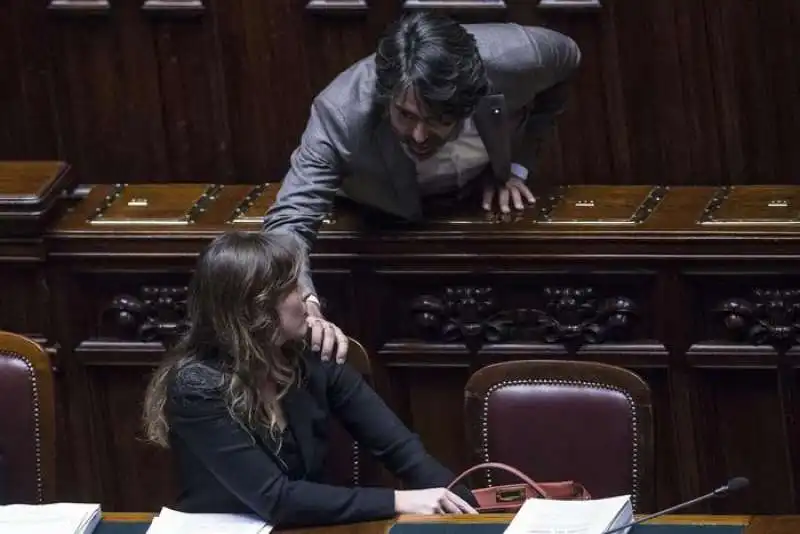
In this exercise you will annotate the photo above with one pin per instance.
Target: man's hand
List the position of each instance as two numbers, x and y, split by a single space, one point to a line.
325 335
514 189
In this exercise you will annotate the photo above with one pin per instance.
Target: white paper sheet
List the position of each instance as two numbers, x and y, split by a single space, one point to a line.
55 518
172 522
542 516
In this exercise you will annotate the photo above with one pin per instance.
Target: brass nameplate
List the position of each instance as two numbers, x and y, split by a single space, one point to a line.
752 206
600 204
149 205
254 206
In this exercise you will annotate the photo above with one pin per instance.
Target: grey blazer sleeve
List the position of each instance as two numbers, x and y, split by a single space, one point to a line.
557 56
314 177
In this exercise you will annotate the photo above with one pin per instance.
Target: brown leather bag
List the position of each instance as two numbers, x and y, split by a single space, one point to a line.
511 497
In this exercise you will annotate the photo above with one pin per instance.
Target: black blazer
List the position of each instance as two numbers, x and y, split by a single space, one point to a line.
223 468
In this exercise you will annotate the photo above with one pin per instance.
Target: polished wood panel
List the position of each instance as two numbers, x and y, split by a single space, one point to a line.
669 92
630 276
29 193
592 213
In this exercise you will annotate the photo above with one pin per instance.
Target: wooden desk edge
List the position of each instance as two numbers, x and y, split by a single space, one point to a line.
134 517
506 518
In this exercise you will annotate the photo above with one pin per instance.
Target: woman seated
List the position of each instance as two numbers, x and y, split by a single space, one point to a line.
244 405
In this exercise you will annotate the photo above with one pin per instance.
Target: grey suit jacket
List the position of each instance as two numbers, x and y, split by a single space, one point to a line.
348 146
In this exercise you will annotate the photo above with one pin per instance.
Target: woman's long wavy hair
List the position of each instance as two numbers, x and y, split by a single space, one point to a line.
231 308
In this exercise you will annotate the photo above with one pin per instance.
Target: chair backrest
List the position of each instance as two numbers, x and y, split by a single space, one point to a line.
346 463
27 422
564 420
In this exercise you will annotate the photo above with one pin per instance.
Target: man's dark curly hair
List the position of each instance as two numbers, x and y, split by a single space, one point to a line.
437 58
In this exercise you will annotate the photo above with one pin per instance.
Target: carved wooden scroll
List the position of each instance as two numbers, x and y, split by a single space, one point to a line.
157 313
571 316
768 317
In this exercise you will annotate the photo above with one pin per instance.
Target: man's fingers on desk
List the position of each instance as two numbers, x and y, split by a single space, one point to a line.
488 196
502 199
512 194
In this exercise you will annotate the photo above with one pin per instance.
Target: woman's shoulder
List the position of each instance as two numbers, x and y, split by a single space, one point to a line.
196 378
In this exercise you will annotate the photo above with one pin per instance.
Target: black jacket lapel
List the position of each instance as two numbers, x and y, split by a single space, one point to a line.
302 413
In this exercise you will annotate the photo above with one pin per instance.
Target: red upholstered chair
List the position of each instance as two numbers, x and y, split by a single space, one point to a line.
27 422
347 464
564 420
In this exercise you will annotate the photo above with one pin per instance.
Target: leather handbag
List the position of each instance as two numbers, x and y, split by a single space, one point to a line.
511 497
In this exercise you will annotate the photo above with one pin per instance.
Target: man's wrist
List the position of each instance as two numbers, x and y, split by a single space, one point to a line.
519 171
313 305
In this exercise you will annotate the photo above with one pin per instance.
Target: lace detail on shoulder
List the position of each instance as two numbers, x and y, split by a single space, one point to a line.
196 380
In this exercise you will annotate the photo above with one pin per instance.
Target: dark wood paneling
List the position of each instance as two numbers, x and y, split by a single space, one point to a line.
117 441
24 299
30 127
705 312
745 407
434 305
438 419
743 381
108 93
670 91
751 75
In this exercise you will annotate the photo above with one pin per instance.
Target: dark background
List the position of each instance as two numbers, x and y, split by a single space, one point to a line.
670 91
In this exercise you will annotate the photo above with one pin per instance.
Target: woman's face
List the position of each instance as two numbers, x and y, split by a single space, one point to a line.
292 313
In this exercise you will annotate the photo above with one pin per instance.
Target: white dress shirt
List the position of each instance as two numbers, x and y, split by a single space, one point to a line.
456 163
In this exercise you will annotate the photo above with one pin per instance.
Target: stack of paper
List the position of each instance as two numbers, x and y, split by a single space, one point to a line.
544 516
58 518
172 522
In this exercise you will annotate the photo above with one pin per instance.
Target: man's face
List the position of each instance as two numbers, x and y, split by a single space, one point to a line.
421 134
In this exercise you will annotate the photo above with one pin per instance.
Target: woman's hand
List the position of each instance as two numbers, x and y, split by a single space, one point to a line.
430 501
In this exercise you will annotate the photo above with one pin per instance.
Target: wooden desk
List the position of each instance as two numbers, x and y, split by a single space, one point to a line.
686 258
777 524
713 274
